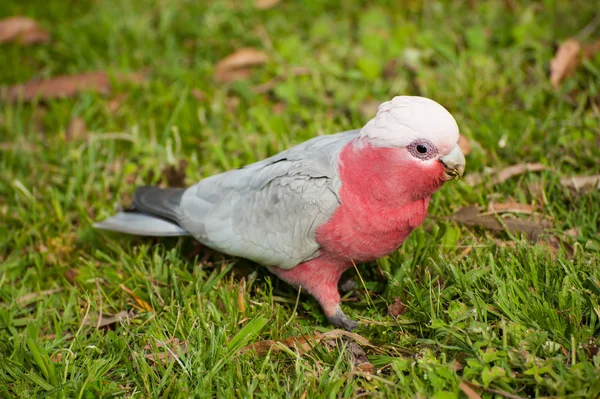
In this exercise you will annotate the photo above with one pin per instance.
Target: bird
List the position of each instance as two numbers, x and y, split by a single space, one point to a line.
317 209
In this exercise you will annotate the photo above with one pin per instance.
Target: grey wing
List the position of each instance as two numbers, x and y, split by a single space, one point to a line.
269 211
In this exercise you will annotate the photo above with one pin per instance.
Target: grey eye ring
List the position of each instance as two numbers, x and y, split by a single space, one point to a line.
422 149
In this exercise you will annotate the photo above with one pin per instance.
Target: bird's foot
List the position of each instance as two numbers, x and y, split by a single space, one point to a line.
340 320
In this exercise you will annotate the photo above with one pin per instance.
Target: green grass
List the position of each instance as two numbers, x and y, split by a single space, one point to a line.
508 317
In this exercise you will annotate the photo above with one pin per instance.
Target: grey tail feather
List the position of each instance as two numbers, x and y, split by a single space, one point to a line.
141 224
161 202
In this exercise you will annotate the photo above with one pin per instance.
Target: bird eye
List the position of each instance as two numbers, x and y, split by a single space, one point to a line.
422 149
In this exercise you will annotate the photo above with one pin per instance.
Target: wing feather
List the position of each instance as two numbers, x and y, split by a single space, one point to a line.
269 211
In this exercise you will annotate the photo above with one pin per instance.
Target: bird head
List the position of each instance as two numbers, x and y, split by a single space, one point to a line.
423 134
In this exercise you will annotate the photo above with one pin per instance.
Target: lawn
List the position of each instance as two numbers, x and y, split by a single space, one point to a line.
467 307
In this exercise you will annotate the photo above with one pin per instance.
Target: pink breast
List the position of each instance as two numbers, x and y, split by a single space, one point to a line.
363 234
384 196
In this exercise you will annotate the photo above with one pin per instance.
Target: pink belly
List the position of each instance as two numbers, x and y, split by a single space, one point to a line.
361 234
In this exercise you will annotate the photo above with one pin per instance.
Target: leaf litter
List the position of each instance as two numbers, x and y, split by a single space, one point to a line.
568 58
305 343
497 176
239 65
22 30
66 86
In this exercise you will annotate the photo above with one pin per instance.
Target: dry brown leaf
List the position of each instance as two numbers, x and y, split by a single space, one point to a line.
279 108
174 344
76 130
513 207
22 30
565 61
590 50
568 57
472 216
498 176
456 366
239 65
65 86
35 296
115 103
464 145
358 358
302 343
57 357
581 184
390 71
241 298
265 4
175 174
143 304
71 274
198 94
106 320
467 390
17 146
398 308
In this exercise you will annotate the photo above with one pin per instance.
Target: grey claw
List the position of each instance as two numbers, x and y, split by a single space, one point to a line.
340 320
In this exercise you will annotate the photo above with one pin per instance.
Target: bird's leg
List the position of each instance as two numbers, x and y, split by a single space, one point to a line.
320 278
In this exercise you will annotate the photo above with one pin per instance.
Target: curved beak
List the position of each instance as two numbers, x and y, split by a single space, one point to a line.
454 164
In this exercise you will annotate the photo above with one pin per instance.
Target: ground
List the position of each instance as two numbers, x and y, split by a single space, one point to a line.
475 311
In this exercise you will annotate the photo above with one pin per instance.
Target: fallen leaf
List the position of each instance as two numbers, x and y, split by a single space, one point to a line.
279 108
22 30
498 176
240 298
265 4
358 358
581 184
398 308
198 94
513 207
36 296
71 274
17 146
390 71
57 357
590 50
174 347
464 145
175 174
565 61
143 304
65 86
456 366
303 343
472 216
106 320
76 130
239 65
467 390
115 103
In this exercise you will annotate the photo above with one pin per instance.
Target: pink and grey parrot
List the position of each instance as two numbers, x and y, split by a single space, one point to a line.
311 212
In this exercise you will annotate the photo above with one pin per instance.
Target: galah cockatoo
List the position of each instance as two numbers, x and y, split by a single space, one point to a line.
313 211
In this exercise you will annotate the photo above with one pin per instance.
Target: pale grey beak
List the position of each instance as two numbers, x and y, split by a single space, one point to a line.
454 164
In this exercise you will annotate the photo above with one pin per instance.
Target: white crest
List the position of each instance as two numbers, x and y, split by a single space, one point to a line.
405 118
